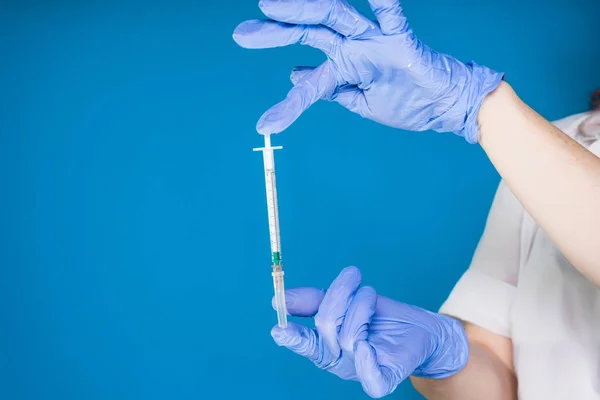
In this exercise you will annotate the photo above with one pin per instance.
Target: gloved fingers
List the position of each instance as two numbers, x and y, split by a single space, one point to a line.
302 301
349 96
299 339
316 85
353 98
377 381
335 14
333 308
299 73
389 15
257 34
357 319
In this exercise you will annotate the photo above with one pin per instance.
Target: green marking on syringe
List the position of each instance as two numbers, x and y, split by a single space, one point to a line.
276 257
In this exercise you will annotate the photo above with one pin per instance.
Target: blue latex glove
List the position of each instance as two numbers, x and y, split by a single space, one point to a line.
369 338
378 70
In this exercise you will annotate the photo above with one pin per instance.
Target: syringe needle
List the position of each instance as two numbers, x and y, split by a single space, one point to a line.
279 296
273 213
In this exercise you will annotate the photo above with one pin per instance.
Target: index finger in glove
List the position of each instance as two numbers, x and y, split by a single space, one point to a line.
335 14
318 84
257 34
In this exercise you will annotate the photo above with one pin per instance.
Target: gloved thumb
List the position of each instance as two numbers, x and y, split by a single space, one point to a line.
302 301
299 73
299 339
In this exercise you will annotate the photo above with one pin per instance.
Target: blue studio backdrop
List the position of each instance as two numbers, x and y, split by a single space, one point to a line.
134 258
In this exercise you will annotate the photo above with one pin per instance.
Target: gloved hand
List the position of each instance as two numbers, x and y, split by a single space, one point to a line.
369 338
378 70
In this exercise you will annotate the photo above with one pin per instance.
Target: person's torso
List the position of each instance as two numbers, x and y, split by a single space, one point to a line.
555 322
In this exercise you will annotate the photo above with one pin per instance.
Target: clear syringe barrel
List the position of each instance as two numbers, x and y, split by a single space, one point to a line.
272 206
273 214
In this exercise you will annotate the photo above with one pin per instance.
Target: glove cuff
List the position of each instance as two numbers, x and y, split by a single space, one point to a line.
483 81
451 353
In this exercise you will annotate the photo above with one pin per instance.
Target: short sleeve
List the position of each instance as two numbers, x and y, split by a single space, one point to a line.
484 294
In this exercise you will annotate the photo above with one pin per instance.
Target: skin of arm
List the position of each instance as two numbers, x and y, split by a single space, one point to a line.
555 178
489 373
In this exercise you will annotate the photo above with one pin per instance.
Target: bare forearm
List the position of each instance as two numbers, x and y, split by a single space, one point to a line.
556 179
484 377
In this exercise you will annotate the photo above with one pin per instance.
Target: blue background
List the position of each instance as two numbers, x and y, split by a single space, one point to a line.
133 242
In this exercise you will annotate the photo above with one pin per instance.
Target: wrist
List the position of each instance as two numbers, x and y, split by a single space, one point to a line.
494 110
483 81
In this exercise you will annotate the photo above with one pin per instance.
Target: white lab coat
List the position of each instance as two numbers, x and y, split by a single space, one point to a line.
520 286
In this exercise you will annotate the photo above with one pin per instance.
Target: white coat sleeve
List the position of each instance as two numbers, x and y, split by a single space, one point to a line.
484 294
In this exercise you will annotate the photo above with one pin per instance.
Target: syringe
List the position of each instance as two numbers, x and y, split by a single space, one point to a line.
277 273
